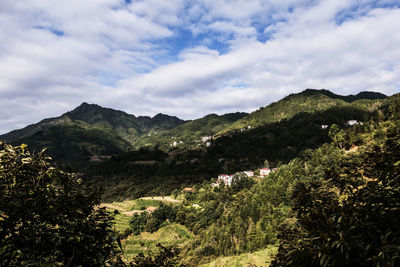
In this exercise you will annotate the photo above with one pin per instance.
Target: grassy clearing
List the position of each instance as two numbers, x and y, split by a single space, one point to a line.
258 258
139 204
126 205
142 204
171 234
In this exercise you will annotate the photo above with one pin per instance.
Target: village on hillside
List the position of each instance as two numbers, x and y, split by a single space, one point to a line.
227 179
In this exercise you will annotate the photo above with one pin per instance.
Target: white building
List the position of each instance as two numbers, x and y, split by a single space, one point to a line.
249 173
226 179
174 144
208 144
324 126
264 171
352 122
205 138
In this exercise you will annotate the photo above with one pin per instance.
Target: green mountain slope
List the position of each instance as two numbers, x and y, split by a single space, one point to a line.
76 144
88 132
123 124
154 172
308 101
189 134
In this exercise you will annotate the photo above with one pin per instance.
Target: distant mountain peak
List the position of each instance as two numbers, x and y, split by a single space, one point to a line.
161 115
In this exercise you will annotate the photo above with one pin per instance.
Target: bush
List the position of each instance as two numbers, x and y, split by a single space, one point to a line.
47 216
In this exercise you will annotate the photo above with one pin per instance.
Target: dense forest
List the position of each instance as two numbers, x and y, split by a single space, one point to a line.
333 200
151 171
337 205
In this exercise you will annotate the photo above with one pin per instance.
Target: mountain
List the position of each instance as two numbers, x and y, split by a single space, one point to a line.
87 132
76 144
129 127
189 134
95 132
310 100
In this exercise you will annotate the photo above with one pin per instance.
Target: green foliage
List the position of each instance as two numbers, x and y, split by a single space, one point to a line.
47 216
165 256
308 101
240 182
350 215
169 235
89 130
152 222
138 223
189 133
73 145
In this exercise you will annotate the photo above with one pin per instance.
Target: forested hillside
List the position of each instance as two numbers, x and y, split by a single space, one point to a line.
337 205
88 133
333 199
152 171
309 101
189 135
91 133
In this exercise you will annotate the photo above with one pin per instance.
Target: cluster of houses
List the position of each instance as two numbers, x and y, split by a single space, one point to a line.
349 122
227 179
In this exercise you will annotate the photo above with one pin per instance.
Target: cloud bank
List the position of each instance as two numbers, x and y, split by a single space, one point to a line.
189 58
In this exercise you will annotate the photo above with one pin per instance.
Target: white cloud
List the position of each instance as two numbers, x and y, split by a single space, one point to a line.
242 55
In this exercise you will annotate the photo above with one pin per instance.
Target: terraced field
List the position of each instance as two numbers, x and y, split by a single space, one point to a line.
171 234
258 258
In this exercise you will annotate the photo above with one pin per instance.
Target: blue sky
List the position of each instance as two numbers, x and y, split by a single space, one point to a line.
189 58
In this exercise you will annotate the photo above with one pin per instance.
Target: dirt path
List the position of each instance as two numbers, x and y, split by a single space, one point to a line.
132 212
167 199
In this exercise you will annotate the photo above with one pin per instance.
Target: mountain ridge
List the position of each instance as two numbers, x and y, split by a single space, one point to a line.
95 124
309 100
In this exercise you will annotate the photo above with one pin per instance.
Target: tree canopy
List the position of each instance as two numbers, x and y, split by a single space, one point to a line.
48 217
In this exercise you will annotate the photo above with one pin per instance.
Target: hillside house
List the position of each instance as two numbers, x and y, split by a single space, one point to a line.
222 176
324 126
226 179
208 144
352 122
265 171
249 173
205 138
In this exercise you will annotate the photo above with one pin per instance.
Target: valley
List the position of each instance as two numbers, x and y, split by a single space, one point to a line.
295 175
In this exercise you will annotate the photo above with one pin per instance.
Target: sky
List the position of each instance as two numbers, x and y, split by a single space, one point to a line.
189 58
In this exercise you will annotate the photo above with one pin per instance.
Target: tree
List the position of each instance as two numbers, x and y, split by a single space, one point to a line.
48 217
352 216
165 256
138 223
